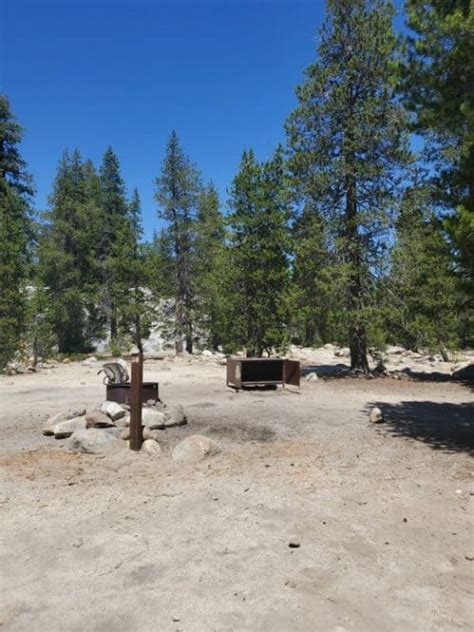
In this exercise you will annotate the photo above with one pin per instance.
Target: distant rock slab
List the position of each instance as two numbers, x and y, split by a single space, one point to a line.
194 449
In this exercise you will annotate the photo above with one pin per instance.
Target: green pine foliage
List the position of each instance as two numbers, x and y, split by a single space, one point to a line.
177 193
68 254
421 289
135 308
16 191
347 145
438 87
317 291
211 263
258 284
114 241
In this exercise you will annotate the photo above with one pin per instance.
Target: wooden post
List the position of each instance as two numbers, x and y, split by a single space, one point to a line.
136 435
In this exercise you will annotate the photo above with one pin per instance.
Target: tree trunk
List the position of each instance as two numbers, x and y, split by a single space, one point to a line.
357 336
358 347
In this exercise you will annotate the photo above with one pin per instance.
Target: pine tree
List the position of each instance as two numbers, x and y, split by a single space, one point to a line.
136 312
115 234
16 191
316 295
421 288
347 145
258 292
68 256
210 265
177 193
439 90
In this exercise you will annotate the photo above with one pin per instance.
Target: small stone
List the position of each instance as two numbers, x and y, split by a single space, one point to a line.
469 558
376 416
312 377
152 447
125 434
67 361
98 419
293 544
65 429
194 448
176 619
113 410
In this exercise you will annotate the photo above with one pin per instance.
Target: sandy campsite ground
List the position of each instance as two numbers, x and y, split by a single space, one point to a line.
131 542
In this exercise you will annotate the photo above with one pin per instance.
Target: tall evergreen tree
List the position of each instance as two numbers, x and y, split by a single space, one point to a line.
16 190
439 90
258 287
66 253
177 193
347 145
115 236
136 312
421 293
210 264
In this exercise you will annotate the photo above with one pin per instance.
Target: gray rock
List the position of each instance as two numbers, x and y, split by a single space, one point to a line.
194 448
174 417
376 416
311 377
91 441
65 429
123 422
113 410
153 419
152 447
63 415
98 419
148 433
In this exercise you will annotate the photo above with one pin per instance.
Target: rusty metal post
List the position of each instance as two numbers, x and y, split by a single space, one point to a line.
136 435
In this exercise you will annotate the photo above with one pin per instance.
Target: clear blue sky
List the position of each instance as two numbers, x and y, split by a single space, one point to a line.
91 73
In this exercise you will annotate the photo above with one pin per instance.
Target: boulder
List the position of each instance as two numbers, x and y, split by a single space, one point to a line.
153 419
91 440
194 448
311 377
207 354
98 419
113 410
65 429
152 447
376 416
63 415
174 417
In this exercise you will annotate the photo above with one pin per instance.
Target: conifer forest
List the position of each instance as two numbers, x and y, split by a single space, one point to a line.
348 233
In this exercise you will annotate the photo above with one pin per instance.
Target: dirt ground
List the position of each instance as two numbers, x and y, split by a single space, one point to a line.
130 542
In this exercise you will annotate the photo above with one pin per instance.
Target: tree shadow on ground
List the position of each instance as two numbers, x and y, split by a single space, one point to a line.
340 370
326 370
443 426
